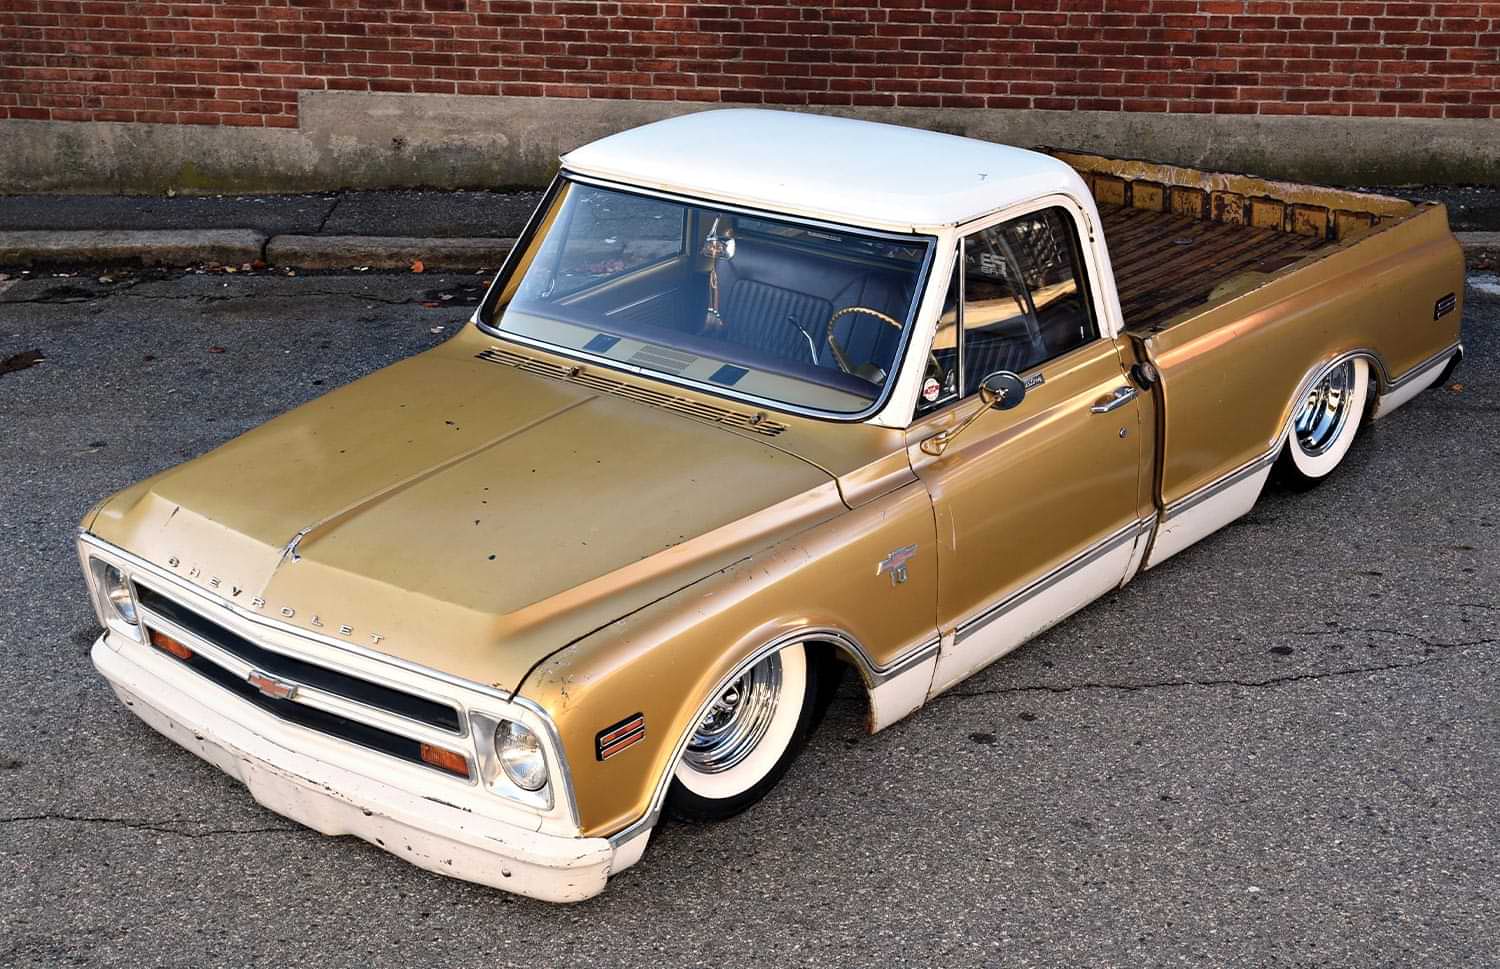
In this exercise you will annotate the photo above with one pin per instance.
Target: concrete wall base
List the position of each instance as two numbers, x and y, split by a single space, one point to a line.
354 140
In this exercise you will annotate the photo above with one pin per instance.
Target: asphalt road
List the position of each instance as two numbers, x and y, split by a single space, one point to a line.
1282 748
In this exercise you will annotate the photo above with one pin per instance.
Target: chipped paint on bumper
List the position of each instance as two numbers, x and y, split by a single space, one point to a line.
335 800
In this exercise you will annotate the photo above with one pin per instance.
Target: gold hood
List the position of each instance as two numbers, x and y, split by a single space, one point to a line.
466 516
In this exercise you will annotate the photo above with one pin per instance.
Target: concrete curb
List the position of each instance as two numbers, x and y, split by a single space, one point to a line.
234 247
157 247
1481 249
385 252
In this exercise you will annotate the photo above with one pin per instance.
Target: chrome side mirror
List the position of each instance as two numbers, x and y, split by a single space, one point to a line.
1001 390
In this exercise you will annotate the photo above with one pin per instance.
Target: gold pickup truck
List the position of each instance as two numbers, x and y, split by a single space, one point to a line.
758 397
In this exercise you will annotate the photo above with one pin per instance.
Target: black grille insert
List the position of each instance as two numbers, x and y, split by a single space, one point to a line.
417 708
310 717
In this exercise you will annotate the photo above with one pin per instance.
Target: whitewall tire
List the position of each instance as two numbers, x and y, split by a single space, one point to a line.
747 738
1325 424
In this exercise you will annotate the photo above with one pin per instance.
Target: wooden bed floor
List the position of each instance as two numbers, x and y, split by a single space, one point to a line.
1166 263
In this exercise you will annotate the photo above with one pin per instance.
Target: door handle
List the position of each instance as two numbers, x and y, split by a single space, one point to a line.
1119 398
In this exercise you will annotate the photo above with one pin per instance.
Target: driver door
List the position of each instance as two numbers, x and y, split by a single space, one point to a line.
1036 505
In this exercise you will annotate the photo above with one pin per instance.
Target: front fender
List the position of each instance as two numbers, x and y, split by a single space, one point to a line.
664 661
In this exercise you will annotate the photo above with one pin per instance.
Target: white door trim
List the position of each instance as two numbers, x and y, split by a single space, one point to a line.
1040 605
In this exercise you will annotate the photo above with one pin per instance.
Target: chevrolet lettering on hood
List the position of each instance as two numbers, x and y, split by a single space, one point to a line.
259 604
758 401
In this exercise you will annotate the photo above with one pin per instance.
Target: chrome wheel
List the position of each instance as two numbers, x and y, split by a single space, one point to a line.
746 736
737 720
1325 411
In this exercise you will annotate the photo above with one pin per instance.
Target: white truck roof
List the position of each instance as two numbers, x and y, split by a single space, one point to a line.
830 168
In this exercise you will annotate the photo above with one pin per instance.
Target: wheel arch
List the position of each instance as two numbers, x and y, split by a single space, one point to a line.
1379 375
664 661
830 645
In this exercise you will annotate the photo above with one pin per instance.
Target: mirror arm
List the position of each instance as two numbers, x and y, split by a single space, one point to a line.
1010 392
938 443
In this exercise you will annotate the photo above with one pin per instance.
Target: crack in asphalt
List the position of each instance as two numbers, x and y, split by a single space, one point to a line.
47 300
337 201
1376 630
1218 682
141 824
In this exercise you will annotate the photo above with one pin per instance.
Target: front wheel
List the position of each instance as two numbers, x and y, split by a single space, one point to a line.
1325 424
748 738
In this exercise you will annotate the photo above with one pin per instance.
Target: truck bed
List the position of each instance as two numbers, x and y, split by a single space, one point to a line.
1181 240
1240 291
1165 263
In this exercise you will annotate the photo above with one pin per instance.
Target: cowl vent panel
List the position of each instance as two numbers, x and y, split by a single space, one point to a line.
756 423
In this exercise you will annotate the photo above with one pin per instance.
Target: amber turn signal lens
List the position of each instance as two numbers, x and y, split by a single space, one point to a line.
167 644
445 760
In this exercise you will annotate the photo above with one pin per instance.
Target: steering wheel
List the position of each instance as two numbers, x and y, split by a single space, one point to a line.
864 371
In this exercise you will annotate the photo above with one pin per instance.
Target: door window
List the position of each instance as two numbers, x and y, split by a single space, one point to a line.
1017 300
1023 299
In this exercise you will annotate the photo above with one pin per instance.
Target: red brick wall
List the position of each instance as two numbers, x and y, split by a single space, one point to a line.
244 63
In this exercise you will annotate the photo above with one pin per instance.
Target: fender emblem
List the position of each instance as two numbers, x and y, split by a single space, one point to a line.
894 564
271 686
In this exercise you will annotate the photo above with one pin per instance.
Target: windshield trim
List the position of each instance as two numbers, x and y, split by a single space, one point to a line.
484 316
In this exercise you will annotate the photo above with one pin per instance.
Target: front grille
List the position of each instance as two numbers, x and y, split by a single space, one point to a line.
420 709
757 423
312 718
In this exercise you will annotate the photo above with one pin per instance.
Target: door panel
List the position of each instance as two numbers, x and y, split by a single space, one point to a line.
1036 506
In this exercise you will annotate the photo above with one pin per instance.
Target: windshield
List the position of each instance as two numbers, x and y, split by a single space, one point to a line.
793 313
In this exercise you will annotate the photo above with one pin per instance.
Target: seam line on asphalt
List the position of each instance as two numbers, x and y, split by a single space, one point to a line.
138 824
1182 684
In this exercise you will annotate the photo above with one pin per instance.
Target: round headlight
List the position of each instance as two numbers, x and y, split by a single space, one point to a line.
116 590
520 754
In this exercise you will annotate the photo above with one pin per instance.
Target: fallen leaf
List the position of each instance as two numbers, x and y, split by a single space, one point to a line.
215 349
22 360
1457 388
432 306
435 329
416 266
258 264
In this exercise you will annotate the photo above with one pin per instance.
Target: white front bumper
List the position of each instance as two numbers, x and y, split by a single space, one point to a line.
335 800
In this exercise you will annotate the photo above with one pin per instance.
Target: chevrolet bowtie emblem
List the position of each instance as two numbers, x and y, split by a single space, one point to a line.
271 686
894 564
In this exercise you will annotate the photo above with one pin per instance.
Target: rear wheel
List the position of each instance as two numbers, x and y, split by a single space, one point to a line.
1325 424
750 735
